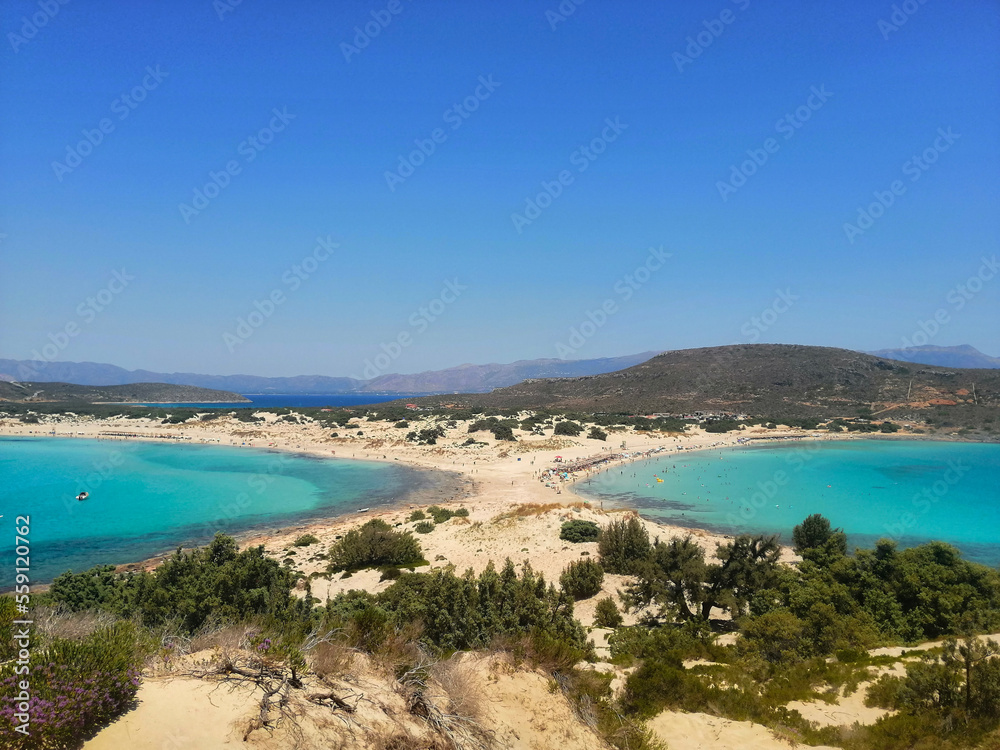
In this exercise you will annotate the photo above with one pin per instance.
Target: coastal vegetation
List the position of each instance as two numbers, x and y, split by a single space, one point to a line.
577 532
373 545
802 631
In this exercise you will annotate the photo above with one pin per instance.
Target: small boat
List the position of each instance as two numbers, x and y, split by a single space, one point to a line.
83 496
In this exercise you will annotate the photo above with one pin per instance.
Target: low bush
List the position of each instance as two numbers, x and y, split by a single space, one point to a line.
582 579
579 531
568 427
424 527
607 615
373 545
305 540
417 515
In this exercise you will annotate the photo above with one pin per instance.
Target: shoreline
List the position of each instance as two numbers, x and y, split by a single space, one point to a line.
490 476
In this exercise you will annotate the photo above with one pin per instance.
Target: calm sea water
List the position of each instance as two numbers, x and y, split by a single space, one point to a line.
905 490
298 400
147 498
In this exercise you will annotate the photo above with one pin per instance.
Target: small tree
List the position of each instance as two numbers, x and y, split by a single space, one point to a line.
607 615
582 579
596 433
815 540
623 544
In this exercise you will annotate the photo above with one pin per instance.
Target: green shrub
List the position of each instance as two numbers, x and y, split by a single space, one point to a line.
568 427
623 544
305 540
607 615
215 581
424 527
582 579
596 433
417 515
462 513
469 612
579 531
373 545
439 514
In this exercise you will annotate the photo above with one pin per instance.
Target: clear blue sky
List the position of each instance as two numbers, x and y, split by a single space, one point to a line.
657 184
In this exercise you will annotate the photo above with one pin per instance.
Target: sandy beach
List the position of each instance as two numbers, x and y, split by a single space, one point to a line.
489 478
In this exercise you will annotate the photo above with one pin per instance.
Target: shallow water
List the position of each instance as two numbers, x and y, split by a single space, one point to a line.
147 498
910 491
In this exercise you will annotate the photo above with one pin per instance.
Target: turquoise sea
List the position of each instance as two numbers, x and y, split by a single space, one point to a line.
147 498
910 491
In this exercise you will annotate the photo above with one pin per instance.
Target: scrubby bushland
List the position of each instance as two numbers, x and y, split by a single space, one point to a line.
579 531
75 686
582 579
623 544
305 540
607 615
373 545
189 587
464 612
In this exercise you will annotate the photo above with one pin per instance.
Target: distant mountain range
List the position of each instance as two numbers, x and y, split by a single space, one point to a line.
151 393
942 356
462 379
773 380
